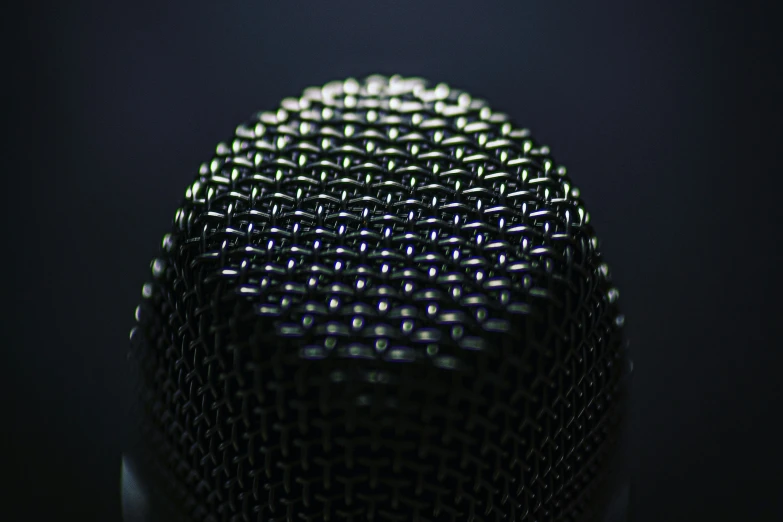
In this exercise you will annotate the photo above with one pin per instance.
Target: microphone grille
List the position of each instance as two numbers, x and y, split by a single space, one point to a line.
382 301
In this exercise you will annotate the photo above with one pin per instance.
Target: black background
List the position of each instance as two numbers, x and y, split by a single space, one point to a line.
664 112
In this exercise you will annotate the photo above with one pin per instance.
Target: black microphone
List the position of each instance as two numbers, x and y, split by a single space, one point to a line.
383 301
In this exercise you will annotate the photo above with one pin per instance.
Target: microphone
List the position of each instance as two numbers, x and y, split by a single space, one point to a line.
383 301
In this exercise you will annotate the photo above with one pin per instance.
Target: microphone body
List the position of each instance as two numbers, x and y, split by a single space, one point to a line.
383 301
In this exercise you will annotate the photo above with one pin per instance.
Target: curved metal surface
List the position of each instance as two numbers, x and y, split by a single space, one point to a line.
382 301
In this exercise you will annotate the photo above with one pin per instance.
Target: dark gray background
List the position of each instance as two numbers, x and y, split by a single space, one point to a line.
664 112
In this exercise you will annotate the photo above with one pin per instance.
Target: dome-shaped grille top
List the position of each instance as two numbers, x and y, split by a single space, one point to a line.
382 301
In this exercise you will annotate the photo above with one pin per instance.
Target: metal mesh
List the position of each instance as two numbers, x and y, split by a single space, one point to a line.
381 302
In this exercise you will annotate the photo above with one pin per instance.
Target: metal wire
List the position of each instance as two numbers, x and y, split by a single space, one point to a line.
382 301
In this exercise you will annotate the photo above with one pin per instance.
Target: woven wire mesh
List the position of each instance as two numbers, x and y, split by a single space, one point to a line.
382 301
